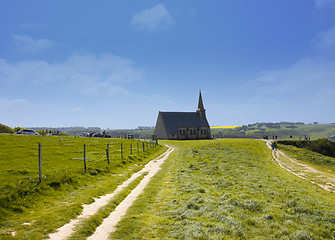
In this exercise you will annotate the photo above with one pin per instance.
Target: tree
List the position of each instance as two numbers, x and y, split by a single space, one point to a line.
5 129
16 129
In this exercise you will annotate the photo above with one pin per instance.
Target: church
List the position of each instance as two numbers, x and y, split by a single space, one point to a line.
183 125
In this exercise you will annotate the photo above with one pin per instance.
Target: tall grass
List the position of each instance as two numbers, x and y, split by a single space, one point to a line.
228 189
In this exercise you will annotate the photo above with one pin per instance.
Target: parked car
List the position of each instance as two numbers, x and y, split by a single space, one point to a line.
85 134
27 132
101 135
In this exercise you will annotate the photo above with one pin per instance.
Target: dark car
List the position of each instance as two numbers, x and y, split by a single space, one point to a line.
101 135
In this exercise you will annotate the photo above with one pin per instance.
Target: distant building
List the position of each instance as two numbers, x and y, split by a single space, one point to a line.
332 138
183 125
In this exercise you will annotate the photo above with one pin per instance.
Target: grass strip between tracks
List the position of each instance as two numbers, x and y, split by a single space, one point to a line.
87 227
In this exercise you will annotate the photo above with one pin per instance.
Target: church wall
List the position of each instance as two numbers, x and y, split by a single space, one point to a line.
193 133
160 131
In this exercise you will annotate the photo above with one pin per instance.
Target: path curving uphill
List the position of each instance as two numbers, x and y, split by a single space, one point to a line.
324 180
107 227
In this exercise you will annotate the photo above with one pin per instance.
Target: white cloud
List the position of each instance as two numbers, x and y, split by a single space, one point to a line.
32 25
25 43
323 3
12 103
88 74
193 12
302 92
305 79
325 40
311 79
152 19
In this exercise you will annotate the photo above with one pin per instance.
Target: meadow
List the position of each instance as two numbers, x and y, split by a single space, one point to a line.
30 209
208 189
228 189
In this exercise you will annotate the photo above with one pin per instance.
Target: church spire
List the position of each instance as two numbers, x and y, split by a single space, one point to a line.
201 110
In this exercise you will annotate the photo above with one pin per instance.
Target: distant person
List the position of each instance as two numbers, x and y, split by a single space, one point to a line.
273 146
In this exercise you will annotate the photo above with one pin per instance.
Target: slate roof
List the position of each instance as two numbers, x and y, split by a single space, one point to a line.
175 120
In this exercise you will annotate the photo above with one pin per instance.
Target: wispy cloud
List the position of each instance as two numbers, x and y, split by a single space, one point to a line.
325 40
25 43
304 79
311 79
12 103
88 74
193 12
323 3
152 19
32 25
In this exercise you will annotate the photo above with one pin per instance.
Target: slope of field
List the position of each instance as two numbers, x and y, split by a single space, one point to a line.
281 130
228 189
31 210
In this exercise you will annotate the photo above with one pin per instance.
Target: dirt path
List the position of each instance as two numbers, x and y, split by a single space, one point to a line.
324 180
103 231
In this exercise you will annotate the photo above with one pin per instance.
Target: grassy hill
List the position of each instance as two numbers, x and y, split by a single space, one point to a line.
228 189
282 130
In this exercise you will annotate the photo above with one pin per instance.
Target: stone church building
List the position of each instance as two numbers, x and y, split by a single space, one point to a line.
183 125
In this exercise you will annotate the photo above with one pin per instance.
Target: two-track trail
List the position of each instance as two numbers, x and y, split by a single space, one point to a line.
107 226
323 179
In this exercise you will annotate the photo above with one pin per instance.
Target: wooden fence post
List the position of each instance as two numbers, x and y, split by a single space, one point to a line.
138 151
143 147
121 151
40 162
131 149
107 153
85 157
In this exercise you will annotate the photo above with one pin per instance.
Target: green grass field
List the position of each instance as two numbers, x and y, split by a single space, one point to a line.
210 189
228 189
30 209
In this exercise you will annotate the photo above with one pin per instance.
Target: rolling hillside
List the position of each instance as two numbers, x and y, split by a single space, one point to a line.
282 130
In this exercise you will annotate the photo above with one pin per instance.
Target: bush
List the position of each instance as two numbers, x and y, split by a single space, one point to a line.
5 129
322 146
16 129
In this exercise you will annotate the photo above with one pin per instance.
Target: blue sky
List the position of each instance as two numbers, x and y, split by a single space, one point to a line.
116 63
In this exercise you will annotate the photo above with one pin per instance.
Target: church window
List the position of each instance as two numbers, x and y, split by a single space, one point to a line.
182 131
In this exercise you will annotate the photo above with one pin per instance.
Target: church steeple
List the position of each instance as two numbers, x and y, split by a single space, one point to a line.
201 110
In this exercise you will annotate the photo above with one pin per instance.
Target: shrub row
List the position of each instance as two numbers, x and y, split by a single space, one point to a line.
322 146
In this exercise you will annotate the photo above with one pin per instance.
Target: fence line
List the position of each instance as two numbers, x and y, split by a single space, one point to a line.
123 149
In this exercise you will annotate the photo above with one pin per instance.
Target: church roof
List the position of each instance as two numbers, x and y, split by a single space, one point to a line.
175 120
